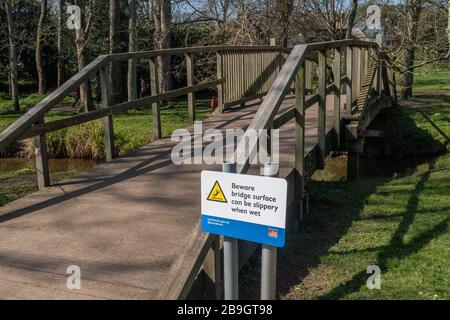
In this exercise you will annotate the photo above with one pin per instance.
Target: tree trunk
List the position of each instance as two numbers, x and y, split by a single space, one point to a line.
351 19
12 57
131 83
284 10
42 83
114 47
59 44
448 33
412 14
162 14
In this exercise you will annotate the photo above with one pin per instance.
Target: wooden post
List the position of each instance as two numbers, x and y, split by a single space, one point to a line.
190 82
154 86
322 109
349 84
300 136
337 94
41 154
220 86
105 87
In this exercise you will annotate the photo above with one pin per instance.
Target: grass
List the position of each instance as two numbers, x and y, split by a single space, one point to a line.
429 79
132 129
399 224
16 184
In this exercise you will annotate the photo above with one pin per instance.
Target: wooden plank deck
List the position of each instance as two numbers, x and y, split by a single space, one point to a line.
123 222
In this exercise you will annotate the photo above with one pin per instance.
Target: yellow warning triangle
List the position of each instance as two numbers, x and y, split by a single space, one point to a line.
216 194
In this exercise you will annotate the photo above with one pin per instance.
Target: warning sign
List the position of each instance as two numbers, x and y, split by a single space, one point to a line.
216 193
245 207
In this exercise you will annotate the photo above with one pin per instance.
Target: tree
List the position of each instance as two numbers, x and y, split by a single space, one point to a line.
284 11
351 19
162 15
12 56
114 47
412 14
131 82
81 41
42 83
59 44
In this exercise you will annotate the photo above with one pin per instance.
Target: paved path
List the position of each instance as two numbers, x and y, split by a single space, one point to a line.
123 223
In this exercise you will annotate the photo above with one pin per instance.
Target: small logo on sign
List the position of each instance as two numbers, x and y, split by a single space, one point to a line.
273 233
216 194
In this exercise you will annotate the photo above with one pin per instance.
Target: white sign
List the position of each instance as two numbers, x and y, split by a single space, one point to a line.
245 207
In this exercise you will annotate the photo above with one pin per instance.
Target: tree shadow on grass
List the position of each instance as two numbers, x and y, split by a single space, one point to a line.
396 249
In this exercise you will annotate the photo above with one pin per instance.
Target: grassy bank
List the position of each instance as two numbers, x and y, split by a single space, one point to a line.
132 130
18 183
400 224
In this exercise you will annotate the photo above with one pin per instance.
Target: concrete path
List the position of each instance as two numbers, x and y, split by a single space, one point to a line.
123 223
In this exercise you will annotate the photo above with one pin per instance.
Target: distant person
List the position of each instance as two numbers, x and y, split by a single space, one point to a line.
77 97
143 86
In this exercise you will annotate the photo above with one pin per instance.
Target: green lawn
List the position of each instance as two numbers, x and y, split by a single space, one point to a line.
133 129
399 224
429 79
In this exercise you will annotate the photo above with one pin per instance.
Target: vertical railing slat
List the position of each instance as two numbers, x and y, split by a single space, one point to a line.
190 82
337 94
349 83
154 86
219 58
322 108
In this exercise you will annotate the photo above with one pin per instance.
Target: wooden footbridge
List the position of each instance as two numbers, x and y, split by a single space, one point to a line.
131 224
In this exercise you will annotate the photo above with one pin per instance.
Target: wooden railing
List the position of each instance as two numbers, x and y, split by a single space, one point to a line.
242 73
303 62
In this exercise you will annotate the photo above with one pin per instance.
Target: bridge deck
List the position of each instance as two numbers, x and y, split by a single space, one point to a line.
122 222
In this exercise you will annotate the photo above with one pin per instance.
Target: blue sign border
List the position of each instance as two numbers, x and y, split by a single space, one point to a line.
273 236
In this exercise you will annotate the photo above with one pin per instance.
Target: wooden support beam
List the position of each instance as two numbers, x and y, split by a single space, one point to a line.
337 94
154 86
322 109
41 154
190 82
105 86
349 83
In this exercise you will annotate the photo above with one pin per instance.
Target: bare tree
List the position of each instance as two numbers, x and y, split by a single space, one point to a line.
162 15
131 83
42 82
81 41
12 56
114 47
59 44
351 19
